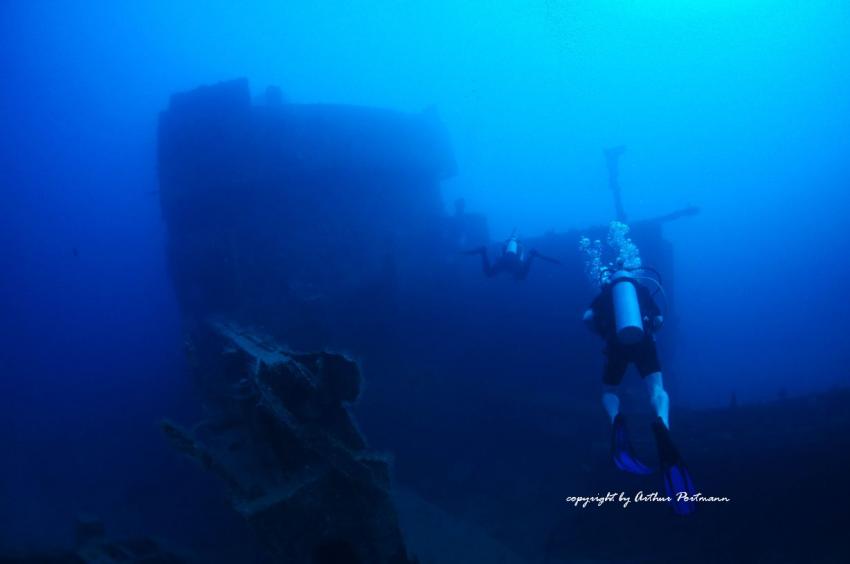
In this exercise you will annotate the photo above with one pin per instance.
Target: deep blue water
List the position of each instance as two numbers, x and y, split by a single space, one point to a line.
741 108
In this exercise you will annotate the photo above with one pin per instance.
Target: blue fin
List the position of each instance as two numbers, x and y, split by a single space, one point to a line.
677 479
622 452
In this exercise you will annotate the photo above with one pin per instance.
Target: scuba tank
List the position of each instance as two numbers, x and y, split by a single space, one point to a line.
513 252
512 247
627 315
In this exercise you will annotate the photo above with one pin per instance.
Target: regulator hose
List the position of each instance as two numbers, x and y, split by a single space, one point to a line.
659 290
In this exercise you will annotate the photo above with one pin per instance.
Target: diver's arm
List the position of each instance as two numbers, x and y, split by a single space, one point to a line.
652 313
657 322
591 316
589 319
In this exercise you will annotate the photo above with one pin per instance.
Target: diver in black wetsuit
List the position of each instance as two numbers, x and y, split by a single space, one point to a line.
513 259
601 319
643 354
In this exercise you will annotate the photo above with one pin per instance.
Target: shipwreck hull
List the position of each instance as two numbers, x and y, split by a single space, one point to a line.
311 210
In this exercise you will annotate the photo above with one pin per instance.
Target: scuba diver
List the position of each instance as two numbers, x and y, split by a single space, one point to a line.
625 315
513 259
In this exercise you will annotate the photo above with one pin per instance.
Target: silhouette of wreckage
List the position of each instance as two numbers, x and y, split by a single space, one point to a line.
92 544
283 441
280 435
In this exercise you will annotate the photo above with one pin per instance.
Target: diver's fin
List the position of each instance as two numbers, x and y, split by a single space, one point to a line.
677 479
622 452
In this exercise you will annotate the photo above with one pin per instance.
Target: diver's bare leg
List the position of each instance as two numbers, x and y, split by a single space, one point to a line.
526 265
611 402
658 397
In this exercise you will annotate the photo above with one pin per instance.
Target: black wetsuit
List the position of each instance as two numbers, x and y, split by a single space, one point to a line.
508 262
618 356
513 263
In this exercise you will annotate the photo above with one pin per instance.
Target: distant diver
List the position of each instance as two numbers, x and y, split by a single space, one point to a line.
626 316
513 259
